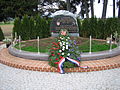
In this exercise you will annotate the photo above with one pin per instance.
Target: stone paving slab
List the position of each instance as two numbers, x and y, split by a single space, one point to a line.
18 79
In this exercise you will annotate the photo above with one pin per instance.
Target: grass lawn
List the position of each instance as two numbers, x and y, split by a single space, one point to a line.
96 46
7 23
82 43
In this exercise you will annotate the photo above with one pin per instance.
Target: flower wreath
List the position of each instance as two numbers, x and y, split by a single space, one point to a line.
63 47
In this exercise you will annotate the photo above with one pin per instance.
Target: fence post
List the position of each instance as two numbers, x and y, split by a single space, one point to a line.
11 39
20 43
38 40
111 43
90 44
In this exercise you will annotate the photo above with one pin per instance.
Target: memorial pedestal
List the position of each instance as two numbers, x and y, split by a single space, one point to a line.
71 34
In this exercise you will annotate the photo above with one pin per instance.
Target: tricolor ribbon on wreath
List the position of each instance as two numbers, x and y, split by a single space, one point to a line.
63 50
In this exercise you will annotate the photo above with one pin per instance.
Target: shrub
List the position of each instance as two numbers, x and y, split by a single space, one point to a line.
25 28
17 27
38 27
30 28
85 28
93 27
99 28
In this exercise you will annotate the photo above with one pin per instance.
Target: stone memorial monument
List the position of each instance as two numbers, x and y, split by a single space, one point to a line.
66 20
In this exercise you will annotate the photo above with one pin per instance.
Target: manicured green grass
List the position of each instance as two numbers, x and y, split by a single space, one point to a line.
83 47
96 46
33 49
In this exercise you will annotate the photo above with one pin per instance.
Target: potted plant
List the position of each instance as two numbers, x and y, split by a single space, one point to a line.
7 41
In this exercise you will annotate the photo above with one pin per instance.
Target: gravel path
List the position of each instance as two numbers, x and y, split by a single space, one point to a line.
18 79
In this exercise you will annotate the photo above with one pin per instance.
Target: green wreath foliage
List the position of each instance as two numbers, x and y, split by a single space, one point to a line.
63 47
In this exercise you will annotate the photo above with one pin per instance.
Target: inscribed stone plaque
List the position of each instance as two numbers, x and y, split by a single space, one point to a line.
64 22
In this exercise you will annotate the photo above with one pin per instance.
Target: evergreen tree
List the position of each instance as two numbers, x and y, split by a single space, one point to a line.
25 34
100 29
38 27
13 8
17 27
93 27
32 28
85 28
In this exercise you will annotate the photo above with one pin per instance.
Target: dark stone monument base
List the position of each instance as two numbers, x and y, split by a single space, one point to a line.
71 34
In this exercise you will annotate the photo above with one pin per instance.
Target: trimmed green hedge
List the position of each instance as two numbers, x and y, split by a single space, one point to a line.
1 35
99 28
29 27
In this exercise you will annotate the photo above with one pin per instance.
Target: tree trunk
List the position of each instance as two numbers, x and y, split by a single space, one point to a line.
86 9
113 8
119 12
68 5
92 8
104 8
98 1
119 9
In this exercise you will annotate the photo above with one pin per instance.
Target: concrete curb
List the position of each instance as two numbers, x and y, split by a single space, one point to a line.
44 56
28 55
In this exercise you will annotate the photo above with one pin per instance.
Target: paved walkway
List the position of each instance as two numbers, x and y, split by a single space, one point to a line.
18 79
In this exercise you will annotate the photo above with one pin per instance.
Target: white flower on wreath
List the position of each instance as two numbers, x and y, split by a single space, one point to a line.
68 54
67 43
63 43
63 47
60 43
62 53
61 38
68 37
60 50
66 46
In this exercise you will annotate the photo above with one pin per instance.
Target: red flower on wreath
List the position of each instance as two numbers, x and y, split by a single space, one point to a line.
53 54
52 51
58 53
56 59
55 48
56 62
55 44
60 57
